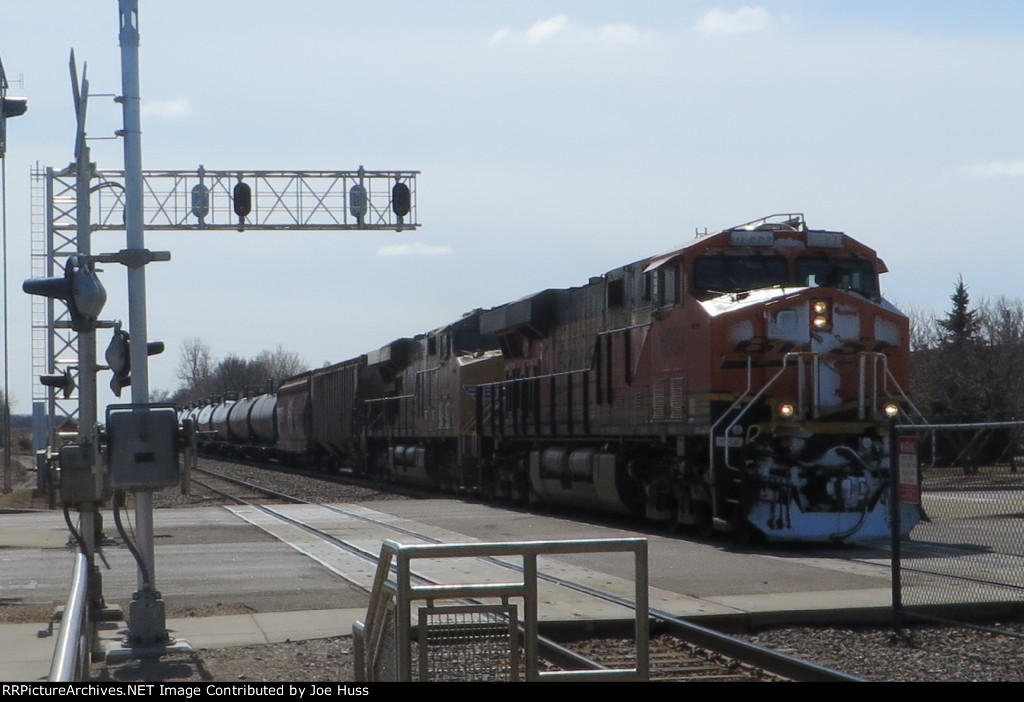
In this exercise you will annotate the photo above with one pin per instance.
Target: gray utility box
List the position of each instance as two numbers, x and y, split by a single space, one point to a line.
142 446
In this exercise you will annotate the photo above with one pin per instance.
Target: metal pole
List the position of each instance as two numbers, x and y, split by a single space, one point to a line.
7 385
147 625
6 438
87 432
89 500
894 504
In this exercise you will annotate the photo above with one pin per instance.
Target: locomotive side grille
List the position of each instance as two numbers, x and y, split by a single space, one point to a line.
668 398
658 399
677 398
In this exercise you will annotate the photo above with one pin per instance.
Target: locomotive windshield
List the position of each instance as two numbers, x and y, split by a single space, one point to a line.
717 275
845 274
714 275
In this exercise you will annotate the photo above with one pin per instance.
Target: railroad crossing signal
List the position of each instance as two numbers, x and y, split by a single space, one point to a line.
79 288
119 358
64 382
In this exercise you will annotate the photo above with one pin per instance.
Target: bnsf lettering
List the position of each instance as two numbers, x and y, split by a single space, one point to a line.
760 344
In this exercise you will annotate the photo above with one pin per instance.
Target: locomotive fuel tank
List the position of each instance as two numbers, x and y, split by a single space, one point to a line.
583 477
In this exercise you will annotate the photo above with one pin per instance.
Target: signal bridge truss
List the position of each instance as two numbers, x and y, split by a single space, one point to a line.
197 200
291 200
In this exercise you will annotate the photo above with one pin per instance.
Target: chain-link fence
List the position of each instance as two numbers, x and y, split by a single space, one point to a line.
966 556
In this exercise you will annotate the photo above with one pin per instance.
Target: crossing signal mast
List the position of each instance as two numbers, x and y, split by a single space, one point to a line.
9 107
135 200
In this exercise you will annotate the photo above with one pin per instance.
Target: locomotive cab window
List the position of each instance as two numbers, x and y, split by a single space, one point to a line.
717 275
661 286
846 274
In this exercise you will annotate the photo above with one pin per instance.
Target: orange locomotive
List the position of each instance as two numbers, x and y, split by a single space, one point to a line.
742 382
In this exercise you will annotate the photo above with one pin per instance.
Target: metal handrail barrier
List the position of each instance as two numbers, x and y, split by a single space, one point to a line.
71 655
401 593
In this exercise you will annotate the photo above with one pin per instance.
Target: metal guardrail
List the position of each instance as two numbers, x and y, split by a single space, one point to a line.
71 655
384 642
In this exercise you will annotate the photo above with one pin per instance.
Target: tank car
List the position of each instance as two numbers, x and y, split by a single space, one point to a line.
739 382
252 426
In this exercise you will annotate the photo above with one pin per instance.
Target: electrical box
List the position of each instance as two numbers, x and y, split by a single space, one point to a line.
142 446
80 482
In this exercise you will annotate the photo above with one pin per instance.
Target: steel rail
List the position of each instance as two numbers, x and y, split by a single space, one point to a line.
772 661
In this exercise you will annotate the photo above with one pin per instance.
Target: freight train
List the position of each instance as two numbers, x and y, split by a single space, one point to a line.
742 382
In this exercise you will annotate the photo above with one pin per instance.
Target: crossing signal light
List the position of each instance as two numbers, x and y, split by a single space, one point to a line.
80 290
9 107
61 381
119 358
13 106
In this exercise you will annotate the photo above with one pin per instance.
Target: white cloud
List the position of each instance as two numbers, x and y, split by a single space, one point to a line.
415 249
546 29
179 108
560 29
995 169
745 20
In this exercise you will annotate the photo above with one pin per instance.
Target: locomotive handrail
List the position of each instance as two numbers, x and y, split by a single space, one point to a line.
382 400
711 448
902 393
743 411
558 374
877 357
631 327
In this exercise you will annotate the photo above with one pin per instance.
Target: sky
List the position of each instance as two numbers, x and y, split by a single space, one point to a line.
555 141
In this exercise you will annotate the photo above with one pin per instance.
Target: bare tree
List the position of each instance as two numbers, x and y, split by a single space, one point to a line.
235 374
195 366
201 377
280 364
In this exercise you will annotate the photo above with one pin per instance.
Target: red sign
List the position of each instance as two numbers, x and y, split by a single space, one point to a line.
909 487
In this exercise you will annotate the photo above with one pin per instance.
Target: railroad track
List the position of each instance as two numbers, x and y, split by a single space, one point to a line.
238 491
673 659
682 652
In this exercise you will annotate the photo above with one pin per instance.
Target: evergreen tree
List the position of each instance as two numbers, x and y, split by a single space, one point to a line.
961 324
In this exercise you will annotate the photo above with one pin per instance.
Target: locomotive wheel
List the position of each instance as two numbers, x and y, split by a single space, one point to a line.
747 535
705 522
671 523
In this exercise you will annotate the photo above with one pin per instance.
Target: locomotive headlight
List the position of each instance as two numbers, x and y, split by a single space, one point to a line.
891 410
786 410
821 315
